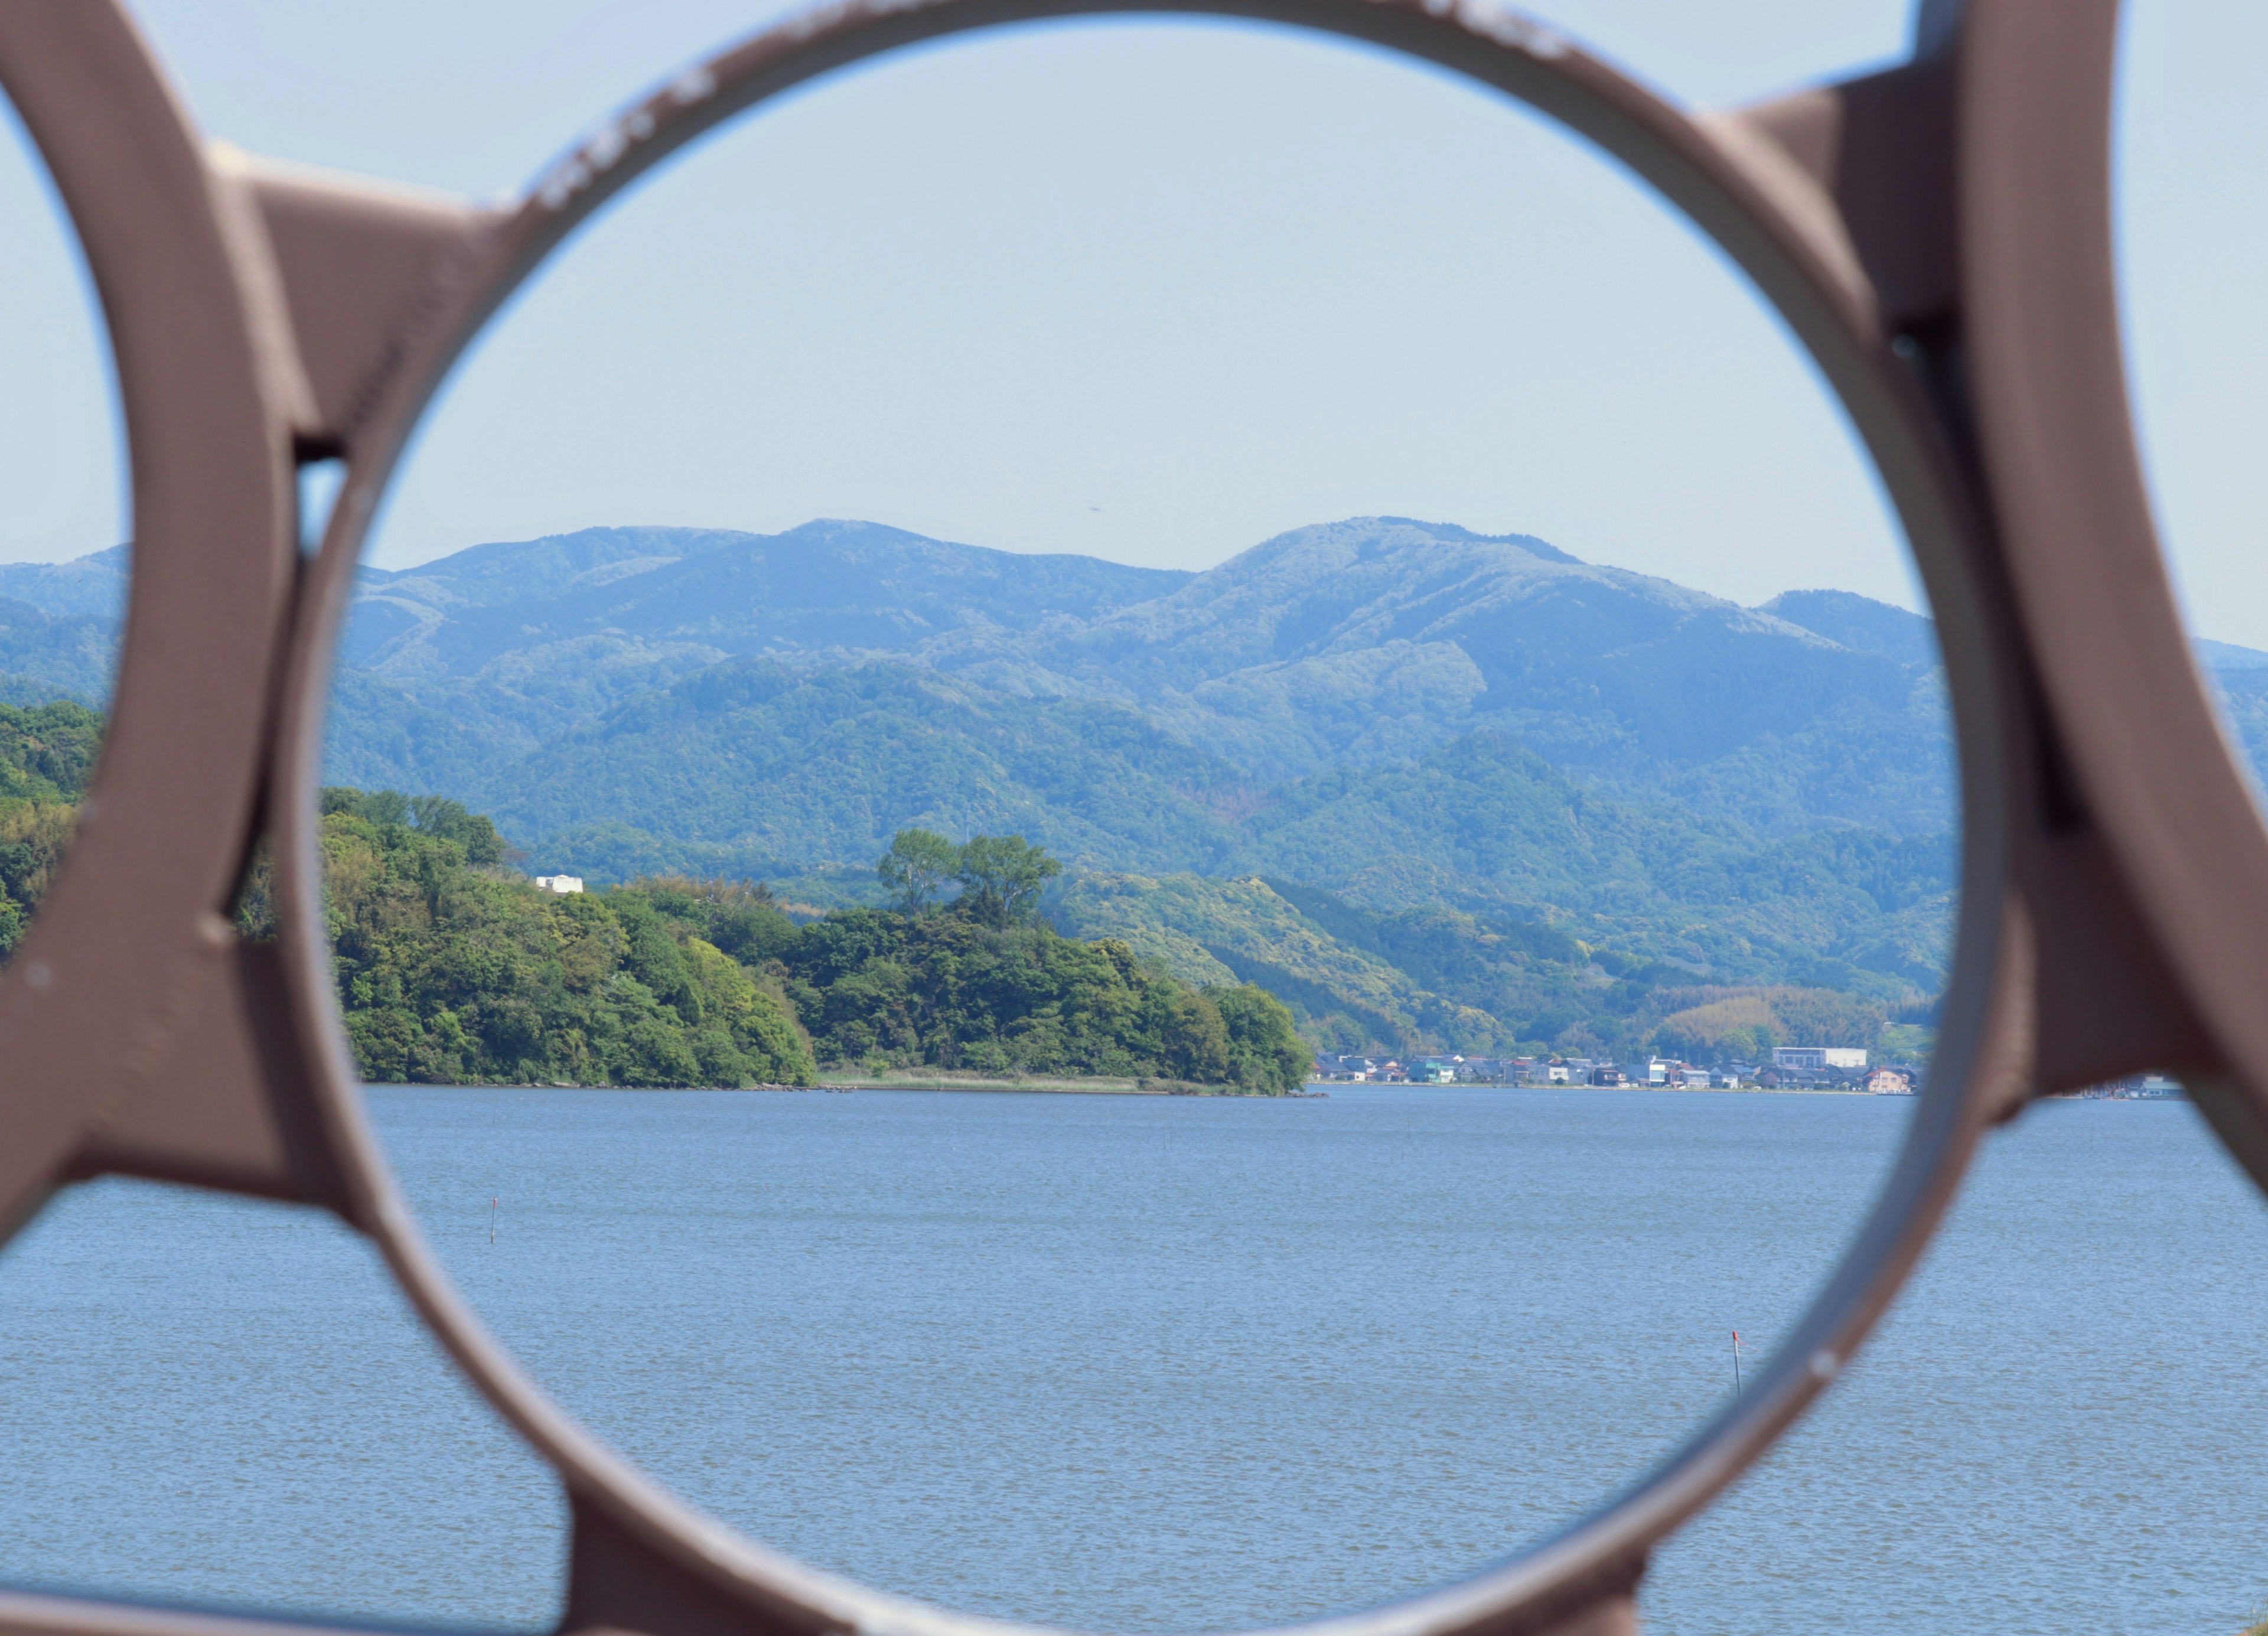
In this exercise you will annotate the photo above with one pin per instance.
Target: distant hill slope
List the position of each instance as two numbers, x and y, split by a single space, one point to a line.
478 658
1416 773
1365 639
54 656
825 587
811 770
94 585
1211 931
1359 642
1860 623
749 769
1435 979
1356 643
1380 637
2244 708
1405 717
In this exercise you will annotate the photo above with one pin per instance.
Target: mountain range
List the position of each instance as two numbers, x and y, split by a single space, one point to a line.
1350 644
1591 773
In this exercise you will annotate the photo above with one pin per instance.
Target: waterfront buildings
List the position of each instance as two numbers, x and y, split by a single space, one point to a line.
1816 1059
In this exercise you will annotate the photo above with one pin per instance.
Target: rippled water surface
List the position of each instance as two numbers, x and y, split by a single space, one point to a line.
1154 1364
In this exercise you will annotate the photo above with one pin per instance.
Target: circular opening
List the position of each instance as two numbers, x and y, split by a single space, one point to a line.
1621 773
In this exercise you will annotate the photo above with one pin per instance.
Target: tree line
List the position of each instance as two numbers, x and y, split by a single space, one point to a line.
455 968
46 753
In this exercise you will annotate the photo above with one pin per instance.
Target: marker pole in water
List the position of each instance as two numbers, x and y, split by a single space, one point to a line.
1736 1362
492 1216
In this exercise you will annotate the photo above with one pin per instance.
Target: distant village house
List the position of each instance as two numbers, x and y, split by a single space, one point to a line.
1818 1058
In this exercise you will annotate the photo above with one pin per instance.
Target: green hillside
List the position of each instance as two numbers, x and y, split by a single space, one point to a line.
1485 825
1481 829
45 754
797 770
1352 644
47 656
1433 787
1442 980
1429 786
1244 930
454 969
46 751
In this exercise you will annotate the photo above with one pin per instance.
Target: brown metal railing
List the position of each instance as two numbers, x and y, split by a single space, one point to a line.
1937 236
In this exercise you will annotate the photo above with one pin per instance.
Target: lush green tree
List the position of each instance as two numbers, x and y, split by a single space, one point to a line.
1264 1048
946 990
34 835
741 917
434 815
916 868
961 988
1812 1016
1002 877
46 751
452 970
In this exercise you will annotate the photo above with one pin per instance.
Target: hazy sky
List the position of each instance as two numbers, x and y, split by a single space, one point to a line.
1153 290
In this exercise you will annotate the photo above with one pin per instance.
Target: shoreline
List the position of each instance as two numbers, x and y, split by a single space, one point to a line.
1067 1085
1105 1085
1649 1090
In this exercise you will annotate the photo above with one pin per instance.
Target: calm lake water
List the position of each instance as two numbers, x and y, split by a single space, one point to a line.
1154 1364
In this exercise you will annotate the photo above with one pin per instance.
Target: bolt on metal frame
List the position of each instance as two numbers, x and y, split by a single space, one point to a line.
1937 235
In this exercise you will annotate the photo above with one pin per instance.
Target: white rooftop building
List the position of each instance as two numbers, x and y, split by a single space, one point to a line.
560 884
1818 1058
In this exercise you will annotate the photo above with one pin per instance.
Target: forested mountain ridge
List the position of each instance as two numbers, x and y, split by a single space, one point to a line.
50 656
1378 637
789 770
826 587
94 585
749 769
1436 978
1359 642
1373 719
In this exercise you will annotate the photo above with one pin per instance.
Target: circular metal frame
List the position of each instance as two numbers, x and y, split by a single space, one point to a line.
1821 294
162 833
2114 907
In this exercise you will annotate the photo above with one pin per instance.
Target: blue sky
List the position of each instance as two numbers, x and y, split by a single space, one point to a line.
1153 290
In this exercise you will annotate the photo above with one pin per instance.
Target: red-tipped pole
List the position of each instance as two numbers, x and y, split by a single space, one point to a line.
1736 1363
492 1216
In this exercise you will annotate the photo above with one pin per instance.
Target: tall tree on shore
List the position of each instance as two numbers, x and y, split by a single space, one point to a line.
1002 877
916 868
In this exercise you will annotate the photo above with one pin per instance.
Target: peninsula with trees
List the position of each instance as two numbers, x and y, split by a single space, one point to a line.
454 968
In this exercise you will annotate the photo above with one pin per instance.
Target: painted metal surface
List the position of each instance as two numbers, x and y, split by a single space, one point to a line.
1937 236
